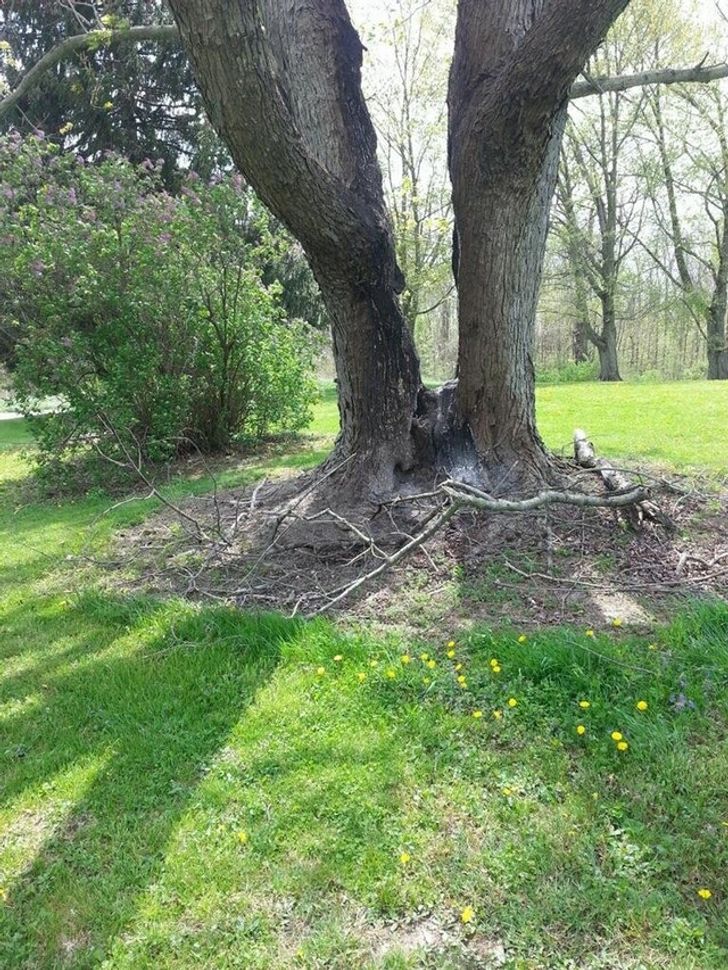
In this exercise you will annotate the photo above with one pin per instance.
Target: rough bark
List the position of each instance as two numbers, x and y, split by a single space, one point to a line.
513 67
281 80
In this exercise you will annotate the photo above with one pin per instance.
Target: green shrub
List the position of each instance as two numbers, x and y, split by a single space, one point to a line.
569 373
144 313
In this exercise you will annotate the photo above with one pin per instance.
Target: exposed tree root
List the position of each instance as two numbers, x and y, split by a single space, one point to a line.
279 546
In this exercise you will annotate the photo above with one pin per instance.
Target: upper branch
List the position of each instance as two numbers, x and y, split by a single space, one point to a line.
90 40
624 82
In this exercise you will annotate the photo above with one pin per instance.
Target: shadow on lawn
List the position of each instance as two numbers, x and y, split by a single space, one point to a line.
151 699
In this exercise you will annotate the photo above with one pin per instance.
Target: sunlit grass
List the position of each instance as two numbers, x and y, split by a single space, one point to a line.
181 787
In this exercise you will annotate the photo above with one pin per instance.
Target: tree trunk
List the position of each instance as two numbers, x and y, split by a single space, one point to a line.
717 344
281 80
607 343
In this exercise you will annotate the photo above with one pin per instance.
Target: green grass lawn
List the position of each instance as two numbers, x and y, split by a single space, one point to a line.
681 424
185 786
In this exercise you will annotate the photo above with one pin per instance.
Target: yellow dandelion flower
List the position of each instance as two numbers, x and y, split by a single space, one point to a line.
464 684
426 681
589 633
391 674
497 715
108 105
617 621
362 677
451 644
585 705
405 858
458 666
497 669
512 702
493 662
704 893
616 736
580 729
432 664
652 646
338 658
242 837
522 638
320 671
461 679
373 663
467 915
622 745
451 654
406 659
507 792
65 129
642 705
424 657
477 714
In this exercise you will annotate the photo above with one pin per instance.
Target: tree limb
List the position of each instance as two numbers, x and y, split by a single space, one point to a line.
625 82
90 40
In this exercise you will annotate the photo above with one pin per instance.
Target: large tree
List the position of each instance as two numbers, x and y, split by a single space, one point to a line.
282 85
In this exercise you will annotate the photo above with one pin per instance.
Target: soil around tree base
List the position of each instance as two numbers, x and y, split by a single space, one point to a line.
555 566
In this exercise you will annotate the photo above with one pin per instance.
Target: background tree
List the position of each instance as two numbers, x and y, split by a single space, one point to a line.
138 100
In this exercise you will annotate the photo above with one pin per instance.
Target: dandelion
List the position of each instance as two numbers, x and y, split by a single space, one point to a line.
426 681
362 677
406 659
580 729
512 702
652 646
497 715
507 792
405 858
642 705
497 669
622 745
493 662
338 658
458 666
242 838
585 705
424 657
704 893
65 129
108 105
522 638
463 683
461 679
450 644
451 654
617 622
373 663
467 915
391 674
320 671
589 633
477 714
432 664
616 736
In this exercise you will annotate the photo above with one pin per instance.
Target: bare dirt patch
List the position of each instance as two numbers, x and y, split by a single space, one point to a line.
551 566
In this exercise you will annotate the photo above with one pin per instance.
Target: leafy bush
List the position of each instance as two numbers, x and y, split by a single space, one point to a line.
569 373
145 313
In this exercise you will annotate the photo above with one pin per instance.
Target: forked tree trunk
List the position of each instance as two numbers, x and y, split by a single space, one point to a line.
281 81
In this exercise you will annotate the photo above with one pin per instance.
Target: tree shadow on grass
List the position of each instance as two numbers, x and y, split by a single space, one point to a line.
149 712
